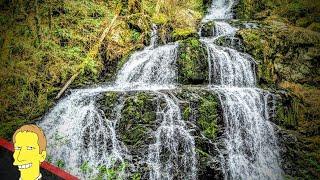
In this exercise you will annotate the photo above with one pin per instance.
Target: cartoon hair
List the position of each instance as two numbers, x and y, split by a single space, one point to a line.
42 142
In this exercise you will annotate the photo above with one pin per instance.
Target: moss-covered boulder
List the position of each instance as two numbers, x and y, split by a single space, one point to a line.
184 33
231 42
207 29
192 62
201 108
137 119
284 53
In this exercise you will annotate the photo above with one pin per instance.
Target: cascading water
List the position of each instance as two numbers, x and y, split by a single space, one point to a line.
149 69
85 135
76 128
250 140
220 9
230 67
173 154
252 150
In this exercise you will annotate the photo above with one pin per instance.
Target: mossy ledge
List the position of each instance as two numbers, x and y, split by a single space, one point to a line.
192 62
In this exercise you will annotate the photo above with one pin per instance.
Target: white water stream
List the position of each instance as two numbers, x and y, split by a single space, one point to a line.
250 140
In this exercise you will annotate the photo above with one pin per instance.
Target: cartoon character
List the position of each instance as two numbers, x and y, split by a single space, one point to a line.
29 151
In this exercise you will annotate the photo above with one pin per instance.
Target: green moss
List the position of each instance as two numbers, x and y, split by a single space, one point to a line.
304 22
183 33
314 26
138 114
107 102
186 113
160 19
208 29
208 116
288 113
192 62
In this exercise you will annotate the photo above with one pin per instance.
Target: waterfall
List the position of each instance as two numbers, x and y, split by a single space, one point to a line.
173 154
252 150
222 28
229 67
149 69
77 129
220 9
250 140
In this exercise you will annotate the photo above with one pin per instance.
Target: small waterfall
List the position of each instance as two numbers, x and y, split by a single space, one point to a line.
173 155
220 9
222 28
229 67
250 140
76 129
249 137
149 69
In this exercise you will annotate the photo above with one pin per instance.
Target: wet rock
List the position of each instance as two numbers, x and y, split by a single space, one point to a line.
231 42
207 29
139 120
192 62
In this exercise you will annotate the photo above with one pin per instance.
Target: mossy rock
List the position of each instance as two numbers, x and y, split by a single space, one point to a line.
283 55
183 33
288 110
207 29
201 107
138 118
107 101
314 27
192 62
208 116
204 110
231 42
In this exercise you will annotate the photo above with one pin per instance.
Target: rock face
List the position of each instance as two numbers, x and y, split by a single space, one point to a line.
207 29
200 109
192 62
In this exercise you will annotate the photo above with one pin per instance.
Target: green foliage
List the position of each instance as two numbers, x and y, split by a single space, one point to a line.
85 168
160 19
60 163
186 113
111 173
135 36
104 172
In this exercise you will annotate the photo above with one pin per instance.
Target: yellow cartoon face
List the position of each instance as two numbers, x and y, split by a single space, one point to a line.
27 155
